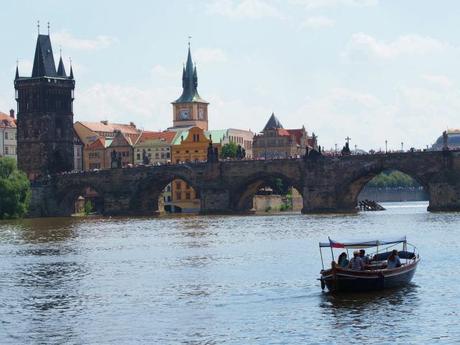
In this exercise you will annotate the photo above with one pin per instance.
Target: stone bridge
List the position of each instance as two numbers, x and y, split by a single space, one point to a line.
327 184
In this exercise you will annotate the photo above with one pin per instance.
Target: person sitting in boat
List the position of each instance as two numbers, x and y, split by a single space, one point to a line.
364 257
393 260
343 261
356 264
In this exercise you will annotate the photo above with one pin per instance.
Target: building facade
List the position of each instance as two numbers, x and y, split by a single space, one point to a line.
120 152
153 147
276 142
190 110
450 139
98 136
45 115
77 152
240 137
8 132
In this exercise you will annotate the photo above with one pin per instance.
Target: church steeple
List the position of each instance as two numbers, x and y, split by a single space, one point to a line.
190 109
189 82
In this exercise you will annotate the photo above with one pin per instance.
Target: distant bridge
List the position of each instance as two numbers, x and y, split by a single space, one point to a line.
327 184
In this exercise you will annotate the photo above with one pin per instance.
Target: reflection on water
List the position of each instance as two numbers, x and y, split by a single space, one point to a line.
214 280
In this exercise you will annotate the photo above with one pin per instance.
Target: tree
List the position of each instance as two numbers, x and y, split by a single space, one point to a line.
229 150
14 190
88 207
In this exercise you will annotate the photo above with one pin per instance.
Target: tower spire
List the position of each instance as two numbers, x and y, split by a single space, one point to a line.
71 69
48 28
38 27
17 70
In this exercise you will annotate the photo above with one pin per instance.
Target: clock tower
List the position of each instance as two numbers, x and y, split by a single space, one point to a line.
190 109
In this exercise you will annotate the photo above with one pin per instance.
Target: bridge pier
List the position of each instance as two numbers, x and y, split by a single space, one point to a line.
323 199
444 197
215 201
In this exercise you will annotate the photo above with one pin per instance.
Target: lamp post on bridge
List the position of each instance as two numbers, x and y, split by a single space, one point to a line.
402 146
386 146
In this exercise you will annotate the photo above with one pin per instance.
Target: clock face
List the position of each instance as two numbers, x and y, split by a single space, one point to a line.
201 114
184 114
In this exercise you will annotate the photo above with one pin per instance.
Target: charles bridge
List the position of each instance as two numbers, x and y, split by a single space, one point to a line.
327 184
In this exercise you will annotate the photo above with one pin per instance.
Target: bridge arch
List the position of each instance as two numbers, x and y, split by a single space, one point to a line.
243 194
351 187
67 199
148 190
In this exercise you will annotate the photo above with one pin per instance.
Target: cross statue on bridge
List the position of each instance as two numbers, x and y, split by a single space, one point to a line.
348 139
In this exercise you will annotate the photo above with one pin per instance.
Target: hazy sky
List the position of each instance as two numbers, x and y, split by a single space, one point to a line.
372 70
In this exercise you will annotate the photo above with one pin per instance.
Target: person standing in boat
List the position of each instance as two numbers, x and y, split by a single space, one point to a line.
343 261
356 264
393 260
364 257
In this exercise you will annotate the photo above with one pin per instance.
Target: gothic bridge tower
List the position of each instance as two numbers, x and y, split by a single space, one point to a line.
190 109
45 114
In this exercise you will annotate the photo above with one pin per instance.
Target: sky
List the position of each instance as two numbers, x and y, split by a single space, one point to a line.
373 70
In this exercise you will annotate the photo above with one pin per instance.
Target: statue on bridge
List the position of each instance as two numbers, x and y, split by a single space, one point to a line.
213 153
145 158
346 149
240 152
115 160
445 145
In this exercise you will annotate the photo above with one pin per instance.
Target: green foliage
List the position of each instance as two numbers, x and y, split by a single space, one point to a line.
392 179
229 150
88 207
268 209
14 190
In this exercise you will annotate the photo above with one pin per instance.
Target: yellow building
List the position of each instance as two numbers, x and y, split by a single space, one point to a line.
190 146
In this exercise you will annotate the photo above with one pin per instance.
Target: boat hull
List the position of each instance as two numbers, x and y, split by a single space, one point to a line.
344 280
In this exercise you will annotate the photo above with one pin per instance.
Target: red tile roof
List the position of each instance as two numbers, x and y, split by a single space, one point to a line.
99 144
7 120
297 133
168 137
110 127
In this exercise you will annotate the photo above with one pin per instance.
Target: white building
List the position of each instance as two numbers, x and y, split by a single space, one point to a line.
8 129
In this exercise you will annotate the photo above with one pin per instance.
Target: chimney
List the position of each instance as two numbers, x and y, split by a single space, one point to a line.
132 124
105 122
12 113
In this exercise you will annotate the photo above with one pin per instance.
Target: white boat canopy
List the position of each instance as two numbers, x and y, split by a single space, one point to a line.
361 244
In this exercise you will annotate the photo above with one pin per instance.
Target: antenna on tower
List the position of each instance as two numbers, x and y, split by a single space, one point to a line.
189 39
38 26
48 28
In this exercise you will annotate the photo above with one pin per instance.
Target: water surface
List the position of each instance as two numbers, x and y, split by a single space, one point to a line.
219 280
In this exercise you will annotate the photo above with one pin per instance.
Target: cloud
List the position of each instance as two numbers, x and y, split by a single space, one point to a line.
24 66
243 9
313 4
210 55
148 108
159 71
440 80
67 40
317 22
415 116
365 46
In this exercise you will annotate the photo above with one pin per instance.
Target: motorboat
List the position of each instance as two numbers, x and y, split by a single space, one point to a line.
374 273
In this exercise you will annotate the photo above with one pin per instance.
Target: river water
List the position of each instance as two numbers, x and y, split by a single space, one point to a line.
219 280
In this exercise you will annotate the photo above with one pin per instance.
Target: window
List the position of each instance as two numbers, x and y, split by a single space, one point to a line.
157 155
178 195
6 149
138 156
168 155
6 135
187 196
178 185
